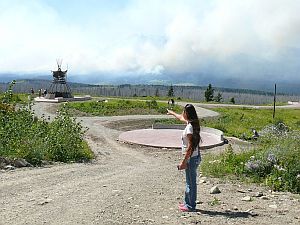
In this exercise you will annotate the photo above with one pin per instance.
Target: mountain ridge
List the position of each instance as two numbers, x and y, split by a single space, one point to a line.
263 85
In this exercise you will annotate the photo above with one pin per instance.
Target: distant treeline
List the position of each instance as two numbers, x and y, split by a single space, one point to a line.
196 93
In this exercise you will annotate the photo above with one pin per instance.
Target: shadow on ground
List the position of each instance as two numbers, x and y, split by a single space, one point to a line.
228 214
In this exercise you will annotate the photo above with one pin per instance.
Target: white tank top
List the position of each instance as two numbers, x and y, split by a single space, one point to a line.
188 130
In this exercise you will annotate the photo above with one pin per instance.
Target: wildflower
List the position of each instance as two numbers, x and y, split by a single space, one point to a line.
279 168
272 158
253 165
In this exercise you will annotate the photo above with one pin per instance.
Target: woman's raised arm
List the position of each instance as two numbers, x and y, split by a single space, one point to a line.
176 115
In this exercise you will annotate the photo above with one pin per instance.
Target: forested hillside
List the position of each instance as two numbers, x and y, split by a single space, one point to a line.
196 93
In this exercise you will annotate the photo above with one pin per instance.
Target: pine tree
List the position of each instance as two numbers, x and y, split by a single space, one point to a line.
232 100
218 98
156 92
209 93
171 91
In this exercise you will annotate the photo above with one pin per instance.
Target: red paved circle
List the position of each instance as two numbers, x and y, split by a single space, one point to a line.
168 138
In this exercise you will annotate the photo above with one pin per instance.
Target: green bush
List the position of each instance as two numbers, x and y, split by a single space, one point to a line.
24 136
65 139
35 140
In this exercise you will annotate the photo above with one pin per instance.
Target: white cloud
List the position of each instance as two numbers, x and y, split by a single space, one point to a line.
155 37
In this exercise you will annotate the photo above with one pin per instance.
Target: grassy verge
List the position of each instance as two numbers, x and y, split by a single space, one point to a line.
275 162
120 107
167 121
238 122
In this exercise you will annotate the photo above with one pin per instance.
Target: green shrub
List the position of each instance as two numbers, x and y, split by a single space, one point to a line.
24 136
65 139
35 140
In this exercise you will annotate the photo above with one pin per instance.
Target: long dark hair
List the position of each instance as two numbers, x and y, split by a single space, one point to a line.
192 117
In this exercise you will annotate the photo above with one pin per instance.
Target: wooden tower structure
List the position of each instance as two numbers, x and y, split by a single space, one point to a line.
59 86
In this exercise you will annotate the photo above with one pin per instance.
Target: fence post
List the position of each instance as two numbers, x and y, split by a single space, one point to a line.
274 102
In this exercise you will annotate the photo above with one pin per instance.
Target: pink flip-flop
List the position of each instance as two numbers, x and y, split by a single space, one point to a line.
181 204
184 208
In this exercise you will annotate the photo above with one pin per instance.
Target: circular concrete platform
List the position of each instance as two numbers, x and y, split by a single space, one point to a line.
170 138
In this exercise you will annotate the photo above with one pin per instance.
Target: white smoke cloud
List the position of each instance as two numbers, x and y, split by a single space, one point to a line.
155 37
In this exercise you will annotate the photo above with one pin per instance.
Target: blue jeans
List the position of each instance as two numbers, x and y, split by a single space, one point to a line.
191 184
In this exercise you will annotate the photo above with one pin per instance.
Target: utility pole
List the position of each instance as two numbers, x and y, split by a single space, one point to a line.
274 102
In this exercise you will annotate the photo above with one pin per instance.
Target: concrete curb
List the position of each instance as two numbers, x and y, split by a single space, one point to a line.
61 99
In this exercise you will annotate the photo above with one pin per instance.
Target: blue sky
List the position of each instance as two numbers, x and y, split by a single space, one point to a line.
230 38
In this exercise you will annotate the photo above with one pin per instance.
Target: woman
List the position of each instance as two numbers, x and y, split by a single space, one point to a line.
191 151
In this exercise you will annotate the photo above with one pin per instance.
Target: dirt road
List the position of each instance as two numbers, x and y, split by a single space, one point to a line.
128 184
